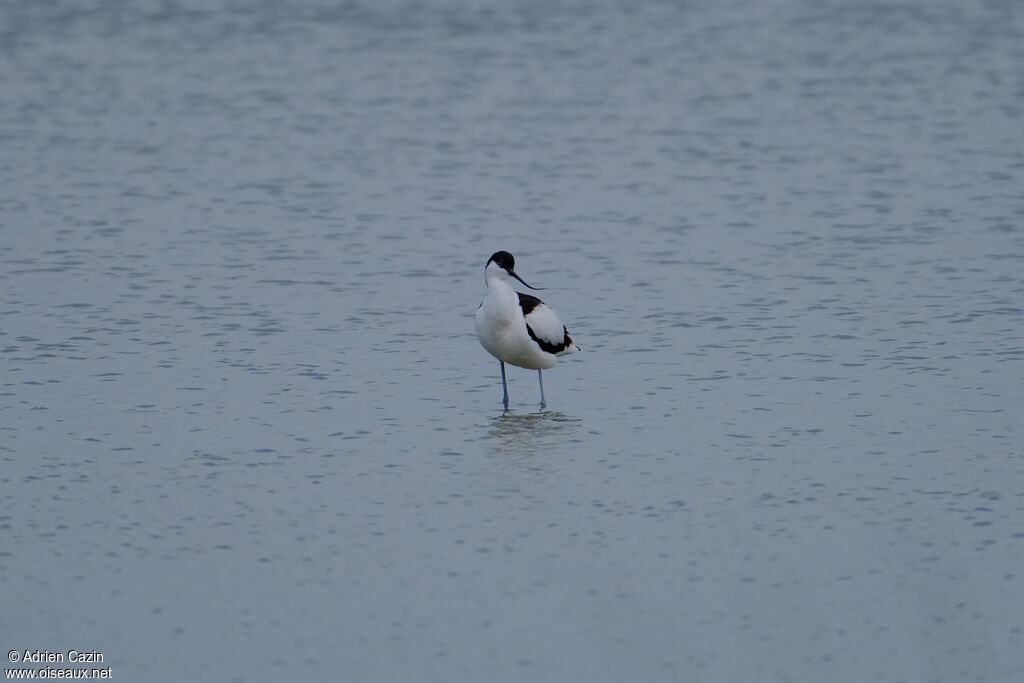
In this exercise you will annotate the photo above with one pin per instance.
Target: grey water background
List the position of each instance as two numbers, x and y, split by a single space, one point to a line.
247 432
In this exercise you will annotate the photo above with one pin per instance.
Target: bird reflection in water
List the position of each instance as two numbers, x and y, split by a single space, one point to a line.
532 433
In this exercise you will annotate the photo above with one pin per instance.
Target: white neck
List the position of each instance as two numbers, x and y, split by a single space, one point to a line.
495 274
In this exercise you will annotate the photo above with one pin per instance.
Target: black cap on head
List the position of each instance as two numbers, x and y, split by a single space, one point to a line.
507 263
504 260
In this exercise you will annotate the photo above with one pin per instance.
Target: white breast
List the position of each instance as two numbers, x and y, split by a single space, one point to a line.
503 330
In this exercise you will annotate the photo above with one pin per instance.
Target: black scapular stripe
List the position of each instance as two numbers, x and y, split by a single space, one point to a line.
528 303
547 347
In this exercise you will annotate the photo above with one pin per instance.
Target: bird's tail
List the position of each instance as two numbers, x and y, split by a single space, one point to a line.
570 347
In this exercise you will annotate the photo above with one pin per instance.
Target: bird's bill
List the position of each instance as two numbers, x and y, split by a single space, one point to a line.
521 280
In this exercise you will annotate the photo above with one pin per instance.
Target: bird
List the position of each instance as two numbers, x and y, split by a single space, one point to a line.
516 328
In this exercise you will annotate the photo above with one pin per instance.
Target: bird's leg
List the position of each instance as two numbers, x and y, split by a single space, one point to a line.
540 377
504 387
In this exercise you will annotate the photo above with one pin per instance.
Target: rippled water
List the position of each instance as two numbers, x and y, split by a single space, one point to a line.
248 432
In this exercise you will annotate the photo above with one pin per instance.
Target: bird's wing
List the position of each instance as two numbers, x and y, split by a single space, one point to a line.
543 325
528 303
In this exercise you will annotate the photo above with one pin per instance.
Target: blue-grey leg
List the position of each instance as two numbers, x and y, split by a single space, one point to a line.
504 387
543 404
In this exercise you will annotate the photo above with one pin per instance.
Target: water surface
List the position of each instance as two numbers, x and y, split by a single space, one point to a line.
248 432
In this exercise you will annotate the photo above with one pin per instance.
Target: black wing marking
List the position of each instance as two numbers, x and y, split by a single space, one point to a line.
528 303
547 347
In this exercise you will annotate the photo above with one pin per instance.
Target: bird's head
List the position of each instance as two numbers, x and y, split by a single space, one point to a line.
502 265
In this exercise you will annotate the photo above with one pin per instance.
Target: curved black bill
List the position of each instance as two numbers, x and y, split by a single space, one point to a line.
521 280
